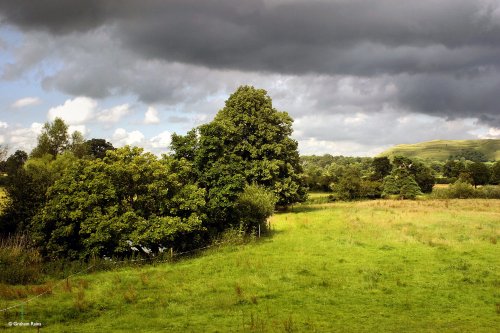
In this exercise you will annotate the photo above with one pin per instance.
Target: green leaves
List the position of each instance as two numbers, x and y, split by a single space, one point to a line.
248 142
99 205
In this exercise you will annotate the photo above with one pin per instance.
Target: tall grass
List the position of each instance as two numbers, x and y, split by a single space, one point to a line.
19 263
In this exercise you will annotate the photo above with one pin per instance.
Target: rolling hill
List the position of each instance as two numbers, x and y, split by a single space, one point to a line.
441 150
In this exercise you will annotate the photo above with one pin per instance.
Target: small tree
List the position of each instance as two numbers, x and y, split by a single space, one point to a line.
495 173
479 173
97 148
27 183
452 169
409 188
401 183
77 144
53 140
349 185
381 167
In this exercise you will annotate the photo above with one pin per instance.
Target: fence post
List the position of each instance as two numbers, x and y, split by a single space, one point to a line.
171 253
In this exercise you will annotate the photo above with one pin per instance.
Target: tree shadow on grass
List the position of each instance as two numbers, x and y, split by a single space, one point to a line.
303 209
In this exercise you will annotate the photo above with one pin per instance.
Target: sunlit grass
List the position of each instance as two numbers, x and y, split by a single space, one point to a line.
369 266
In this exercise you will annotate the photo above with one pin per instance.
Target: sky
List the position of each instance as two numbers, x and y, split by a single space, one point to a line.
357 76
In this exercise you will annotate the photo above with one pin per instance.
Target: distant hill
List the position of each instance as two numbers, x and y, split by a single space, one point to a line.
441 150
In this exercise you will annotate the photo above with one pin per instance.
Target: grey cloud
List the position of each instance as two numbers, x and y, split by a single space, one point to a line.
438 57
177 119
473 95
381 129
56 16
292 37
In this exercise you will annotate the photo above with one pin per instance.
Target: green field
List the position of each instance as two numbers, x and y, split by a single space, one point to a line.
440 150
371 266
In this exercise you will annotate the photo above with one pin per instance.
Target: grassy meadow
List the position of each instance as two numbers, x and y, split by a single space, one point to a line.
370 266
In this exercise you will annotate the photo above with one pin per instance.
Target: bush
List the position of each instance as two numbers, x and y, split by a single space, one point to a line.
490 192
463 190
253 206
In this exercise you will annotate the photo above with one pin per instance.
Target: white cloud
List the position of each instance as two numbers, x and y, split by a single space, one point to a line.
3 125
151 116
21 137
378 130
27 101
75 111
113 114
80 128
161 140
493 133
312 146
121 137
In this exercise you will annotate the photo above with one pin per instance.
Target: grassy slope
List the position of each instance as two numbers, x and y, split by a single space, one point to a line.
440 150
385 266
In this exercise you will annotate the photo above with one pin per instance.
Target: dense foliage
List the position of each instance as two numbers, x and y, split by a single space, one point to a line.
106 206
351 178
248 142
78 198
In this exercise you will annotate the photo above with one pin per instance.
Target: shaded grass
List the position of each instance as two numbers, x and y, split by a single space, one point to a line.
412 266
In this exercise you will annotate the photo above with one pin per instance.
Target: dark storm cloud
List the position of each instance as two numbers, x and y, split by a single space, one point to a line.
338 37
454 97
443 56
56 16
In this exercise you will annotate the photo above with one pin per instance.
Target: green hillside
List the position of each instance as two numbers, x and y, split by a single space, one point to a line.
441 150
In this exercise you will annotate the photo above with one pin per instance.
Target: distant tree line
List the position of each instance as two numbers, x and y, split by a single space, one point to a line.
350 178
78 198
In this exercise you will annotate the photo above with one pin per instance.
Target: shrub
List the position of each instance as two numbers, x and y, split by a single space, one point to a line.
253 206
490 192
461 190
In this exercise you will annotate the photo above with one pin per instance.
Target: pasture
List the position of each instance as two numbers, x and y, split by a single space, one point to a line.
369 266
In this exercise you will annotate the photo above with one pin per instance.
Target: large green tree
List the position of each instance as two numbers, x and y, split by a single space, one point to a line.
248 142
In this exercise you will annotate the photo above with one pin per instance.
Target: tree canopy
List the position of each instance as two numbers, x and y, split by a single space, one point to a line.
248 142
104 206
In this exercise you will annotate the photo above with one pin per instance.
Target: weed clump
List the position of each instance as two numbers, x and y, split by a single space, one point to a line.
19 262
